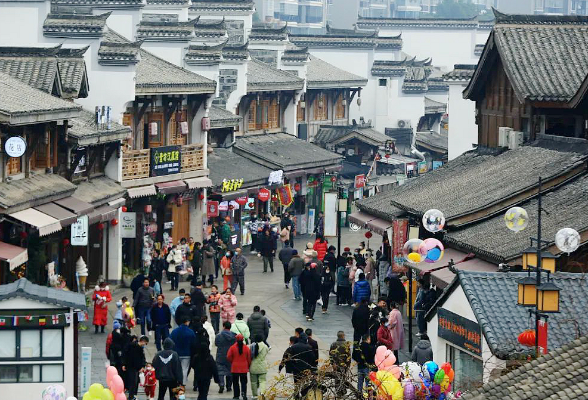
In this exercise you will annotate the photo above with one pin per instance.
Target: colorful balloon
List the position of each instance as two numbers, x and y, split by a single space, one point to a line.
107 394
445 384
567 240
448 371
409 390
96 390
431 250
54 392
439 376
411 251
120 396
110 372
389 385
117 385
430 368
433 220
516 219
412 370
88 396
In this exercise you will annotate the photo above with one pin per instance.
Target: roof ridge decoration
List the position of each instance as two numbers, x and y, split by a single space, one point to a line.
14 51
298 55
268 33
236 52
73 25
119 4
166 30
221 7
115 49
197 54
523 19
450 23
72 53
348 41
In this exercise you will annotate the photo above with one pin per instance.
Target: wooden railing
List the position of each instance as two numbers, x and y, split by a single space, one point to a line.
192 157
136 163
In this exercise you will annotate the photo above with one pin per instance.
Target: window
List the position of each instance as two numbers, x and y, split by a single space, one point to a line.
265 114
31 344
340 107
469 370
175 132
382 82
274 114
252 116
154 132
45 154
321 107
300 112
27 373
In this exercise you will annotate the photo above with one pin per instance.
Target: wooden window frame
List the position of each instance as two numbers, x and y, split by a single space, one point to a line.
252 117
340 107
174 132
300 115
274 114
156 117
321 113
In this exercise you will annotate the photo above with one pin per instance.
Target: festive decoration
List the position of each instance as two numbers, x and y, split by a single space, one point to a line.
251 204
516 219
368 235
433 220
23 235
527 338
333 179
385 360
148 208
54 392
65 242
567 240
201 196
411 251
114 222
241 200
263 195
100 226
179 201
285 195
431 250
123 208
297 187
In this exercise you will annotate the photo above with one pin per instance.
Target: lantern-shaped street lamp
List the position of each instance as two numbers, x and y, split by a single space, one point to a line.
548 298
527 291
547 259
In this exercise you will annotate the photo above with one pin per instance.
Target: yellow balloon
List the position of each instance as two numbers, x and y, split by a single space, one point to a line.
107 394
96 390
390 385
88 396
445 384
414 257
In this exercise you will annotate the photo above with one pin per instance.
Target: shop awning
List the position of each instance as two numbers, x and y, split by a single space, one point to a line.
76 206
102 214
45 224
64 216
142 191
443 277
379 226
117 203
232 195
171 187
197 183
360 218
13 255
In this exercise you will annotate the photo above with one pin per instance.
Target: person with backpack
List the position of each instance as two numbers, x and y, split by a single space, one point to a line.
240 327
258 369
168 369
258 324
239 355
205 369
223 341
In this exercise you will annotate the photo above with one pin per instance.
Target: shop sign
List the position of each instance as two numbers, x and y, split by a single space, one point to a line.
327 183
230 185
459 331
285 195
15 146
263 195
165 160
168 225
241 200
437 164
276 177
79 232
399 237
359 181
423 167
86 368
542 337
223 206
212 209
128 225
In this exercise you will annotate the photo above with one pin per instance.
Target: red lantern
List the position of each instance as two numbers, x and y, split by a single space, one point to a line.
297 187
368 235
263 195
124 208
333 179
100 226
114 222
23 235
527 338
65 242
148 208
201 196
241 200
387 155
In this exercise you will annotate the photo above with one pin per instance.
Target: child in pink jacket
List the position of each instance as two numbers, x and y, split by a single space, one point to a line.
227 303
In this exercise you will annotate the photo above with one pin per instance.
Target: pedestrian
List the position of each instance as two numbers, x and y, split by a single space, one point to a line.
174 260
150 381
370 272
376 314
225 231
134 363
253 229
312 291
239 327
364 354
361 290
357 254
331 260
343 285
295 268
184 339
239 264
161 320
287 229
425 299
210 333
128 314
321 246
301 360
214 308
158 265
314 345
144 299
285 362
115 346
205 369
340 359
228 302
208 266
101 297
137 282
175 303
269 327
258 369
384 335
327 283
220 249
168 369
396 290
268 250
396 326
223 342
198 300
319 227
285 255
196 260
423 351
226 270
360 320
258 324
239 356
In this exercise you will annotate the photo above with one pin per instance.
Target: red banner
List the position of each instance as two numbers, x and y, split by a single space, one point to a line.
359 181
399 237
542 337
285 195
212 209
263 195
241 200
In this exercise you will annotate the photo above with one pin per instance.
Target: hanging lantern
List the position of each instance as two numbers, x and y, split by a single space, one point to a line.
333 179
201 196
123 208
527 291
241 200
297 187
527 338
548 298
100 226
65 242
179 201
263 195
148 208
23 235
114 222
368 235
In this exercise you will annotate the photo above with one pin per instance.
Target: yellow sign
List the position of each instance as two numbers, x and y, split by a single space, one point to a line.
231 185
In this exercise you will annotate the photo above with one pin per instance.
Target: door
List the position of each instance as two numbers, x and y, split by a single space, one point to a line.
95 259
181 220
175 133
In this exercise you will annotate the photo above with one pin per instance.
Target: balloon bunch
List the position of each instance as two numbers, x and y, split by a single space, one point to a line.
115 390
436 380
55 392
388 375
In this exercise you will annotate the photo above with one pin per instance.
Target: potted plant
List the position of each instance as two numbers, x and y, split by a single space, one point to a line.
128 274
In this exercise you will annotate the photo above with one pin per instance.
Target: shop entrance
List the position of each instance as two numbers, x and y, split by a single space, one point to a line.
180 215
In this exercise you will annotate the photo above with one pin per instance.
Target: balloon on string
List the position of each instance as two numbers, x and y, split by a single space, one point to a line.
430 368
431 250
516 219
412 370
117 385
567 240
410 250
433 220
54 392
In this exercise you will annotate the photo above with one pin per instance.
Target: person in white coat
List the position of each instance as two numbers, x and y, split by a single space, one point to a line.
209 330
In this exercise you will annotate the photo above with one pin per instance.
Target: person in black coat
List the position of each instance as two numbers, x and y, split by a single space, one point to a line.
160 320
205 369
314 344
186 311
158 265
268 246
312 290
396 290
198 300
364 354
327 285
376 315
300 358
360 320
134 362
137 282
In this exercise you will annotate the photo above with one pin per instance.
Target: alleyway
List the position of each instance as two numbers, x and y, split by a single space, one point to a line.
266 290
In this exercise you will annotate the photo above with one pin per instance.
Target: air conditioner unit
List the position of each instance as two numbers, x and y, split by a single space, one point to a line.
515 140
503 135
403 123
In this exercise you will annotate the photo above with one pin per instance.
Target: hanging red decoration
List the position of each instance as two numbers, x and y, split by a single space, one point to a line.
114 222
100 226
263 195
368 235
23 235
201 196
65 242
387 155
123 208
148 208
241 200
333 179
179 201
297 187
527 338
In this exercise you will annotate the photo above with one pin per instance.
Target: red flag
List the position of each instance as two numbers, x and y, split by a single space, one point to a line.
29 317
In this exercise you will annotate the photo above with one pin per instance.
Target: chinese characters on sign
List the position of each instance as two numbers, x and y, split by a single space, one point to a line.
15 146
276 177
285 194
459 331
79 232
359 181
212 209
165 160
128 225
230 185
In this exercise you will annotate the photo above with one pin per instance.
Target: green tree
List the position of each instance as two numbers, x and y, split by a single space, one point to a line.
459 9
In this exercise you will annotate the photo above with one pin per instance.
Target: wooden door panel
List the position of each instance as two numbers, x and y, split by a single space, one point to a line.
181 219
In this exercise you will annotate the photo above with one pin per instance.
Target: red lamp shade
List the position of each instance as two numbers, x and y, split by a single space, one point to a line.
114 222
23 235
368 235
263 195
201 196
241 200
297 187
123 208
148 208
66 242
387 155
527 338
100 226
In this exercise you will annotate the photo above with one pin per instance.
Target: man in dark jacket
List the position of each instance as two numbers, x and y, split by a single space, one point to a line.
364 355
198 300
424 301
331 260
295 268
184 338
134 362
396 290
144 299
196 261
301 358
285 256
137 282
315 349
157 266
340 357
360 321
238 266
223 342
186 310
311 283
168 369
258 324
268 249
161 319
423 351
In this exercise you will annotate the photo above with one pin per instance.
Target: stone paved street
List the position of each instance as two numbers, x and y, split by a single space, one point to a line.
266 290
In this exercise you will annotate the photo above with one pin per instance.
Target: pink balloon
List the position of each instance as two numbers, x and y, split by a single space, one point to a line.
120 396
394 370
117 386
384 358
110 372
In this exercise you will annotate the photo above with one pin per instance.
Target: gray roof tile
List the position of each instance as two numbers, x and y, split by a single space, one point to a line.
118 50
338 38
217 6
222 162
28 290
461 72
74 25
266 33
223 118
297 55
33 191
165 30
236 52
210 28
447 23
98 191
379 206
204 55
334 133
321 74
432 141
84 131
262 76
125 4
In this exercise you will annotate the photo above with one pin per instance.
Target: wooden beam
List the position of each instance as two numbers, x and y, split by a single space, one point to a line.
92 156
140 112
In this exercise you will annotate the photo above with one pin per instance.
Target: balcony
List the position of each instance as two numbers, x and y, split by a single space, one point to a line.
137 167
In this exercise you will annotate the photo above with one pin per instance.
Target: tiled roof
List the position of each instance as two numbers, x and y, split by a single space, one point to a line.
545 57
432 141
566 369
478 49
33 191
284 151
348 40
74 25
402 136
452 23
84 131
381 42
434 107
379 206
165 30
321 74
263 33
461 73
210 28
238 52
222 162
262 77
223 118
21 103
99 3
416 73
204 55
118 50
219 7
98 191
295 55
167 2
72 72
493 298
334 134
28 290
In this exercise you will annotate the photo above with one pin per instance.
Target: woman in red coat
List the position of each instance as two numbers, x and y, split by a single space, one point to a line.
320 246
101 297
239 356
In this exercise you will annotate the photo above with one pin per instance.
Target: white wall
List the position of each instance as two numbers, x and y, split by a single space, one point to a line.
463 131
123 21
235 97
21 23
172 52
